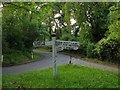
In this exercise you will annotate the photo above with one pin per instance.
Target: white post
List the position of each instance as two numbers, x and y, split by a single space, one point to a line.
54 56
2 58
32 55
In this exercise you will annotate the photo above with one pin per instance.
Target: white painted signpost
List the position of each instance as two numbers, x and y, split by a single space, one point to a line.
57 45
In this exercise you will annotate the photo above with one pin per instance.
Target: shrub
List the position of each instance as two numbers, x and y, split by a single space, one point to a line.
89 50
82 48
108 49
66 37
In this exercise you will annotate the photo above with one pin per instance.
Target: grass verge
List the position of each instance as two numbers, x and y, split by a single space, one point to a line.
19 58
69 76
44 48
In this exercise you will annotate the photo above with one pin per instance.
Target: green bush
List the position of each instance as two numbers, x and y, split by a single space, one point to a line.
18 57
66 37
85 38
73 38
108 49
13 58
82 49
89 50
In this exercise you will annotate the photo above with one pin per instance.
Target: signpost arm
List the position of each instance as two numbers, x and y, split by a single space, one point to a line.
54 56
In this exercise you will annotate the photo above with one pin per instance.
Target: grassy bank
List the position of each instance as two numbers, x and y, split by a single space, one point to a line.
45 48
16 58
70 76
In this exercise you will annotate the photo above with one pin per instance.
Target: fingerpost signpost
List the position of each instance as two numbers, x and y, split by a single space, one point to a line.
57 45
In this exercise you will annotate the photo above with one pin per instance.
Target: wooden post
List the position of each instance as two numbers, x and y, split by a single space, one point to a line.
54 56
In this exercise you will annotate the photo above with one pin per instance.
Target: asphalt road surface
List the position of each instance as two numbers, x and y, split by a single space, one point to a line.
46 62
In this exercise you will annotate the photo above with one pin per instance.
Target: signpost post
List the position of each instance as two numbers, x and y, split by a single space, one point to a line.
57 45
54 55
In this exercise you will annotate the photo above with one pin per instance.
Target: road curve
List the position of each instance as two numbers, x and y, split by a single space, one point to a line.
46 62
43 63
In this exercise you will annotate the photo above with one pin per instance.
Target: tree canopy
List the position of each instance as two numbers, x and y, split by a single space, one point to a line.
96 26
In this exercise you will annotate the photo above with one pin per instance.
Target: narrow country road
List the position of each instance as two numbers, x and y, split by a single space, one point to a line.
46 62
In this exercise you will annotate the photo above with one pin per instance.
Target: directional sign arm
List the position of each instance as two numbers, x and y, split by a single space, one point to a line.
69 45
47 43
38 43
42 43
